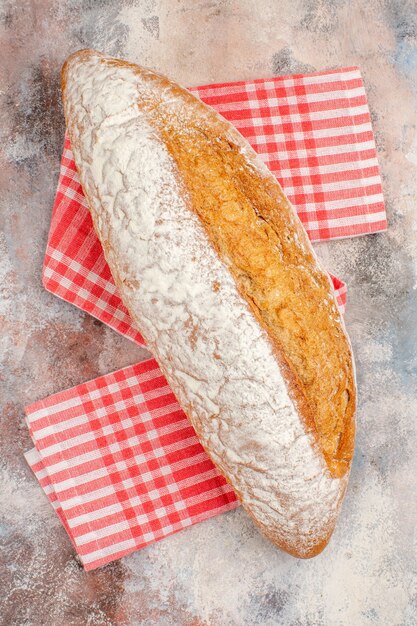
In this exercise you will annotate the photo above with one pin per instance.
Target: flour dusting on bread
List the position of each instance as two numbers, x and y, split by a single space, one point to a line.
183 298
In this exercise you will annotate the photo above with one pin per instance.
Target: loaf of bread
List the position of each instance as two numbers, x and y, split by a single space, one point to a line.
218 275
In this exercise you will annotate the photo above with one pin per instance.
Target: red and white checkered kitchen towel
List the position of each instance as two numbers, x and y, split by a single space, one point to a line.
121 463
116 456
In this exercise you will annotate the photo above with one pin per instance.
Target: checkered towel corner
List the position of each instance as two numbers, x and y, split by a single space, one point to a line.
116 456
314 133
121 463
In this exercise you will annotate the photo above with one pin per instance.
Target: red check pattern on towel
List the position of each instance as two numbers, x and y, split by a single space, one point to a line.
314 133
116 456
121 463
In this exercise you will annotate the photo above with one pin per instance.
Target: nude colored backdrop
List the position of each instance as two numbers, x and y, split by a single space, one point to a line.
221 572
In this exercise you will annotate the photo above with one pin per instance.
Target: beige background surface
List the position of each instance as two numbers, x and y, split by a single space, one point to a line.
221 571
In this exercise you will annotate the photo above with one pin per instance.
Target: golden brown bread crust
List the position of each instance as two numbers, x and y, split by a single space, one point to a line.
254 231
251 225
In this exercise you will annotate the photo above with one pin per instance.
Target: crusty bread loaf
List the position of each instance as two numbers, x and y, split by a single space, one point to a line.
219 277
